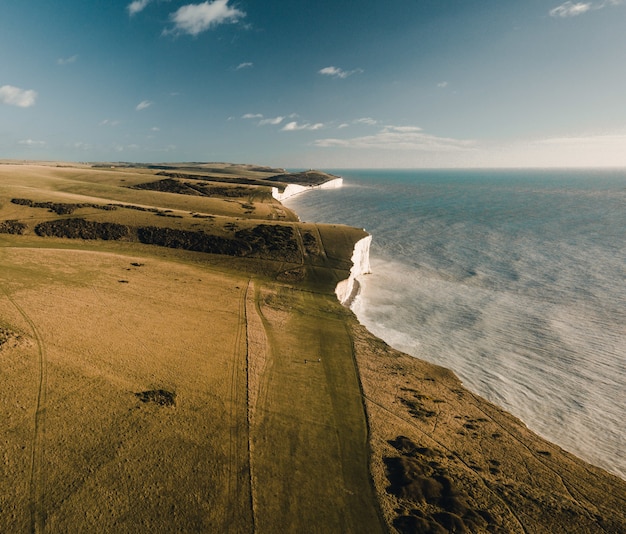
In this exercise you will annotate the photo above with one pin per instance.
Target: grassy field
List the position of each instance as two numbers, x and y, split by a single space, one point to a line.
173 359
161 389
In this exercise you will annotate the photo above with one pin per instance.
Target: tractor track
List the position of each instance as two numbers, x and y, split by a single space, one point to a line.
37 476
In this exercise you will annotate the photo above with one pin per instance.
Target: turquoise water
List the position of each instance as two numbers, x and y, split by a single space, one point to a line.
516 280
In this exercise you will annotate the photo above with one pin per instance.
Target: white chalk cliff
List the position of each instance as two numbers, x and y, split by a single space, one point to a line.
295 189
348 289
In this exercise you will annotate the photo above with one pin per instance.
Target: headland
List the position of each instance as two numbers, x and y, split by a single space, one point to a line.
175 357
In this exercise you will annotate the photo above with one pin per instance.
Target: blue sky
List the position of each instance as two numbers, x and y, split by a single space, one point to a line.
326 84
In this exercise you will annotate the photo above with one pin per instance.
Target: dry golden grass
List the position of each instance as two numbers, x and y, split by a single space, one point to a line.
101 331
238 434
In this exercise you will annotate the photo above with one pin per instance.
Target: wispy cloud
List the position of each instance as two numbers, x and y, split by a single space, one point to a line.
587 141
402 129
14 96
252 116
136 6
143 105
399 138
573 9
336 72
343 125
31 142
245 65
570 9
67 60
366 120
193 19
442 85
109 122
274 121
294 126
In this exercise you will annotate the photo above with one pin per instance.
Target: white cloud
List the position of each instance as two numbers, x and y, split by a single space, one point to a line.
571 9
31 142
109 122
336 72
136 6
399 138
245 65
252 116
67 60
294 126
143 105
14 96
366 120
442 84
342 126
155 129
193 19
402 129
274 121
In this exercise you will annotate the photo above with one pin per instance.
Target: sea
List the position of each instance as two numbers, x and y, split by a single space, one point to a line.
513 279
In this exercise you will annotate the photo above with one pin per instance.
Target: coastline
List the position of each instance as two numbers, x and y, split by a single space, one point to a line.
463 422
529 321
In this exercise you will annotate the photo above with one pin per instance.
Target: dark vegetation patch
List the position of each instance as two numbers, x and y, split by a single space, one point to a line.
310 178
271 241
188 240
161 397
218 179
137 208
171 215
417 407
82 229
171 185
167 186
264 241
12 227
61 208
431 501
311 245
8 338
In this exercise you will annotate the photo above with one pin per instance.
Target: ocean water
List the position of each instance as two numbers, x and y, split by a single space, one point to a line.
515 280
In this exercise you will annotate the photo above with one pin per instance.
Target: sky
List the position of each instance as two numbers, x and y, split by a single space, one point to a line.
324 84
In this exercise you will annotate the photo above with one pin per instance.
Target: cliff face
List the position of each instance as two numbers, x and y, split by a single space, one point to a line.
295 189
348 289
